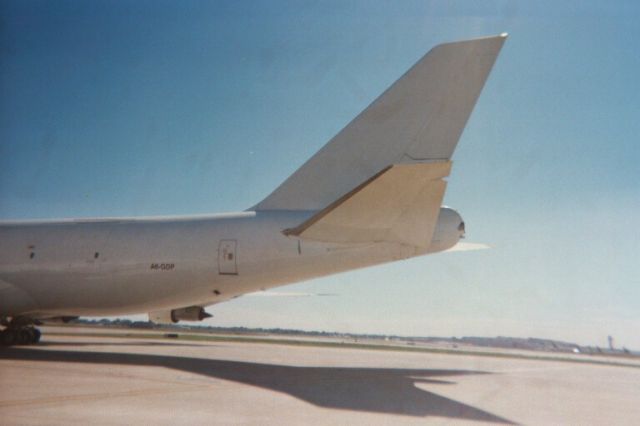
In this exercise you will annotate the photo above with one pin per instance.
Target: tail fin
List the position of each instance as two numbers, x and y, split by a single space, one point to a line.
418 119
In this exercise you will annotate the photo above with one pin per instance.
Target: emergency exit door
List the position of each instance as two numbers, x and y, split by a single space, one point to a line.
227 262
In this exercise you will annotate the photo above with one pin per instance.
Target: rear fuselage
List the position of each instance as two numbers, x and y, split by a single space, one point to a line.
124 266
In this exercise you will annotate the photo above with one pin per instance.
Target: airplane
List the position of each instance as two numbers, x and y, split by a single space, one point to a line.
373 194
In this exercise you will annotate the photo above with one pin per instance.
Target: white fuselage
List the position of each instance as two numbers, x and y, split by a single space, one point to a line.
124 266
371 195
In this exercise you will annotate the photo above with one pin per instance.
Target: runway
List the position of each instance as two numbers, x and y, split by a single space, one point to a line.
118 380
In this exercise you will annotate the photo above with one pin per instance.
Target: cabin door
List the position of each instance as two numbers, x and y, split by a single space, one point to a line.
227 263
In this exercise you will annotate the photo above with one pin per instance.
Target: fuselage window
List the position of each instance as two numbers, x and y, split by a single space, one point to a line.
32 255
95 256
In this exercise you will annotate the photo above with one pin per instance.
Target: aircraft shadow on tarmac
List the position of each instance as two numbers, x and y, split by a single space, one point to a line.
382 390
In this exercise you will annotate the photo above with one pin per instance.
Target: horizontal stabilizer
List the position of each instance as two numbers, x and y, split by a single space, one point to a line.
399 204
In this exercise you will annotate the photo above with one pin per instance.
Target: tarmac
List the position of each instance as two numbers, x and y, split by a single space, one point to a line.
68 379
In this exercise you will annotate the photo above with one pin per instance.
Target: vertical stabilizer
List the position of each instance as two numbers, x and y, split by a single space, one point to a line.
418 119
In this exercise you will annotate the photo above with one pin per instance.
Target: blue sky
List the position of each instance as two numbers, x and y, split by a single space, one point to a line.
154 108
